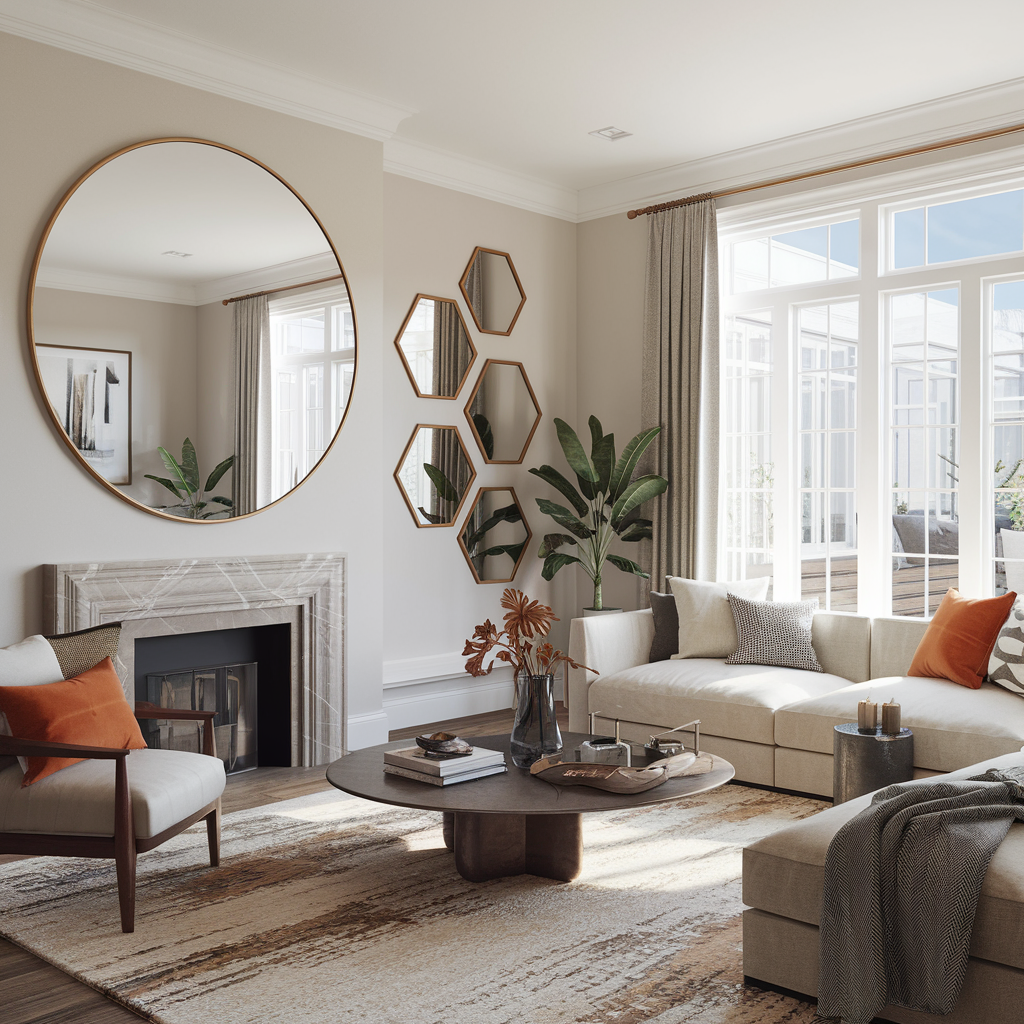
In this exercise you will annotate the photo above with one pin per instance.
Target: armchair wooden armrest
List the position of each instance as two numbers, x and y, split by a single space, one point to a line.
145 710
13 746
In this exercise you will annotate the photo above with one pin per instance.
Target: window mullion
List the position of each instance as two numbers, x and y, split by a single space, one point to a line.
785 427
975 533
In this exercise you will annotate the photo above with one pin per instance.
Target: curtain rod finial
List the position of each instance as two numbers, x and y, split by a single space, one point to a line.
631 214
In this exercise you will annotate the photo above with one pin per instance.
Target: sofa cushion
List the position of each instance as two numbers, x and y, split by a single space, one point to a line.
784 874
706 625
774 633
953 726
666 627
734 701
167 786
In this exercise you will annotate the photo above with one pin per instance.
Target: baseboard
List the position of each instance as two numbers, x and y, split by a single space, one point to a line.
367 730
412 705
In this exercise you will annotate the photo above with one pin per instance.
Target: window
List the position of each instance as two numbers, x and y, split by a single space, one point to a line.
312 366
872 386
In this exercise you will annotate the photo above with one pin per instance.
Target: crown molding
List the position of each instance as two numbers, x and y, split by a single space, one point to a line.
462 174
920 124
132 43
282 275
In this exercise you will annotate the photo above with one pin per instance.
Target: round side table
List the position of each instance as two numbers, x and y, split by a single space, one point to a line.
865 761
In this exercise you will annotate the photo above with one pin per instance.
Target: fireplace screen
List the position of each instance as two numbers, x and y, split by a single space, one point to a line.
230 690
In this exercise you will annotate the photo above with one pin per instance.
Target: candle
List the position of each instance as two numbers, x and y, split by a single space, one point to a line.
867 715
891 718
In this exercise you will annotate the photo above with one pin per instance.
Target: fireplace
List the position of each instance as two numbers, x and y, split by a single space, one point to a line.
304 595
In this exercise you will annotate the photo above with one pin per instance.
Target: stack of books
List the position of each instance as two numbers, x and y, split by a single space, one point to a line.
412 764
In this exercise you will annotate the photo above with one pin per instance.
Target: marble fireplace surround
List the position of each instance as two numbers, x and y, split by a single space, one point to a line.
192 595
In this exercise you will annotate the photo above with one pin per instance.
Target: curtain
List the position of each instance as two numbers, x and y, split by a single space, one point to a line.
252 468
680 390
446 455
451 350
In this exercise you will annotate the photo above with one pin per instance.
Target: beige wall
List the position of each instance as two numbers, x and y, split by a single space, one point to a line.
62 113
215 389
612 255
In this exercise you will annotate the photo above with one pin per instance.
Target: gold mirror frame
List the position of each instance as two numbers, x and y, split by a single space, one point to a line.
405 362
526 543
29 313
515 276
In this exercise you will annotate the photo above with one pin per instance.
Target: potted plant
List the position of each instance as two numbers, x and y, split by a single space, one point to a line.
535 732
192 502
605 506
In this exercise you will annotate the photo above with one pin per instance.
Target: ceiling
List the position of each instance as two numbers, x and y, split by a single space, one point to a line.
485 89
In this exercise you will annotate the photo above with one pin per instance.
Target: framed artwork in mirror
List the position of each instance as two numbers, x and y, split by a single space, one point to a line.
493 291
435 347
90 394
495 535
231 316
503 412
435 474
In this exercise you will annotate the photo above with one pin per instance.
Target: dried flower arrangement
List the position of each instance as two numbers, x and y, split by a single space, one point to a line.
525 621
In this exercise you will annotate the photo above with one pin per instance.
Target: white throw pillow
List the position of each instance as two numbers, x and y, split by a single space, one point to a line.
30 662
707 628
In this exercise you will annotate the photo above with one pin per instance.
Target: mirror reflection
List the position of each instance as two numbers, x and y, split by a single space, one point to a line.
503 411
495 536
435 474
435 348
192 330
493 292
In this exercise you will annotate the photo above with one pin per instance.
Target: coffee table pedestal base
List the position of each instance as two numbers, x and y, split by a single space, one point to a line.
497 845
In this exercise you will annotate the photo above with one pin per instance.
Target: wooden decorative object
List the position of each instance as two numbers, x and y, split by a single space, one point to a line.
462 287
405 362
472 425
401 462
526 543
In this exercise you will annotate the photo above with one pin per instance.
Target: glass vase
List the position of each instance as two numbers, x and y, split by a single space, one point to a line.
535 729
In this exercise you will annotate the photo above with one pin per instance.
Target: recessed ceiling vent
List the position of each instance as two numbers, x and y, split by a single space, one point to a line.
180 255
611 134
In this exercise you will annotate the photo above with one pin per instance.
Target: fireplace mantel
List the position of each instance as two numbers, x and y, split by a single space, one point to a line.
191 595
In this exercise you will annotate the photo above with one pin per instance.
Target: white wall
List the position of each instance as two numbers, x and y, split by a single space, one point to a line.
215 375
62 113
432 602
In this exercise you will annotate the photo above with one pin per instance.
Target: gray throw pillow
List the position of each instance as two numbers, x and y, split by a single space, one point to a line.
774 633
666 627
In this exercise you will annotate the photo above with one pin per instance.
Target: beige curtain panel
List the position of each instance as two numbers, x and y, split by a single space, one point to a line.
680 390
451 350
252 469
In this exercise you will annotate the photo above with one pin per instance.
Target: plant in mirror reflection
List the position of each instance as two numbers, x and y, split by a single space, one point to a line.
607 504
448 496
183 483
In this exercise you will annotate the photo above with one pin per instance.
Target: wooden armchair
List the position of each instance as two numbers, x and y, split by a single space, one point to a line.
93 809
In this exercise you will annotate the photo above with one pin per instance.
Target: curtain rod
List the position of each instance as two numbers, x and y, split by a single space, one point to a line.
283 288
963 140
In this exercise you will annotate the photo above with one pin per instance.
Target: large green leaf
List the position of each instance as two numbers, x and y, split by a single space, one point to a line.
627 566
508 514
550 475
553 541
177 473
167 483
596 433
483 428
441 483
637 493
554 562
214 478
638 529
603 458
190 463
430 517
579 461
512 550
222 500
564 517
627 463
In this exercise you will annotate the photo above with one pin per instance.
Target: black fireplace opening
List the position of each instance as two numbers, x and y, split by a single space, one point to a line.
213 669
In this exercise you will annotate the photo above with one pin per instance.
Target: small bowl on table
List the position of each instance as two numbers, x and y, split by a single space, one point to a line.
440 746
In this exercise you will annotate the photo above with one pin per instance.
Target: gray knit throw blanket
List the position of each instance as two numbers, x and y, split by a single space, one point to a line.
902 881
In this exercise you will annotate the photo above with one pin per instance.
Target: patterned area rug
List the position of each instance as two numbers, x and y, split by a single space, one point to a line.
333 909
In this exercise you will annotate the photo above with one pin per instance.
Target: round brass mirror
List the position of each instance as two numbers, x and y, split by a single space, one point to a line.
191 330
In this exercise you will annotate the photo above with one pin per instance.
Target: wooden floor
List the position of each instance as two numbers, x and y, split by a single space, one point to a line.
33 992
908 584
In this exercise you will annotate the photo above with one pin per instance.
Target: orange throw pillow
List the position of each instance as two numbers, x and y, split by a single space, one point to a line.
959 639
89 709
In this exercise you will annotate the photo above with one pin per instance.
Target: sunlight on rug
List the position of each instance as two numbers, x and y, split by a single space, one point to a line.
333 909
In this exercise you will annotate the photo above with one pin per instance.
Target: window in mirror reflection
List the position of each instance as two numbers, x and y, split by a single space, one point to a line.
434 346
312 366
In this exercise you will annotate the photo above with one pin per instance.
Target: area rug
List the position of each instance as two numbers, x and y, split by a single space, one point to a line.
332 909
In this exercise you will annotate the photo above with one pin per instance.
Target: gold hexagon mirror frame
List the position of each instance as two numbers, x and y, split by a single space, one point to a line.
489 459
465 287
465 547
405 494
405 362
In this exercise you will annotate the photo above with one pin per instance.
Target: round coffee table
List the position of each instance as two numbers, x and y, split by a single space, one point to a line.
509 824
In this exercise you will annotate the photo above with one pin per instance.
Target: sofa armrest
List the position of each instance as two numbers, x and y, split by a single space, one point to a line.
145 710
606 644
15 747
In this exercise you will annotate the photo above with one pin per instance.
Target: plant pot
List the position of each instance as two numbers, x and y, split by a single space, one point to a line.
588 612
535 732
1013 547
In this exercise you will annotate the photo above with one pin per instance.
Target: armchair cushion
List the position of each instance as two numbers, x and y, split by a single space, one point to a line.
166 786
88 709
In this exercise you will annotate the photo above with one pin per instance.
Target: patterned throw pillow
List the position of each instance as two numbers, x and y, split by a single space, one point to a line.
79 651
774 633
1006 663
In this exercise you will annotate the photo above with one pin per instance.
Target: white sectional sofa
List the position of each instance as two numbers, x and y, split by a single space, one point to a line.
776 724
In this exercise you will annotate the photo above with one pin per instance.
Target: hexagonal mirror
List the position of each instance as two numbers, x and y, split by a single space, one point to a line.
493 292
435 474
503 412
434 347
495 535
